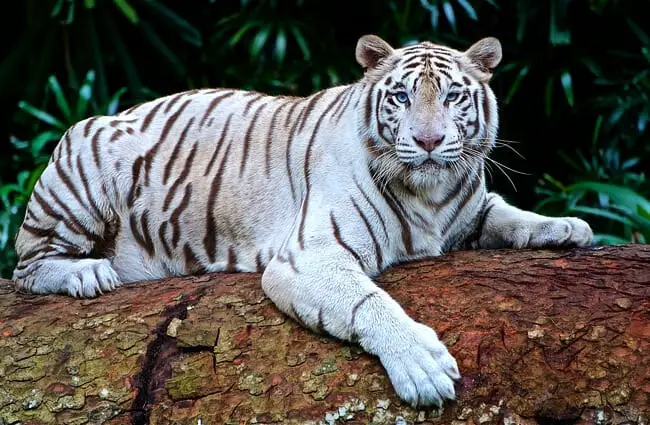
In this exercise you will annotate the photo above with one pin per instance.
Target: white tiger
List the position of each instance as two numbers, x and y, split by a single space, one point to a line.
320 193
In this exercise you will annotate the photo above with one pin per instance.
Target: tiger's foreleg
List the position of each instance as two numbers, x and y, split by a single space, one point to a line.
328 292
505 226
64 242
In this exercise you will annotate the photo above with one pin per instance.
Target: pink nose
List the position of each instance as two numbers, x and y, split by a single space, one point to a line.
429 142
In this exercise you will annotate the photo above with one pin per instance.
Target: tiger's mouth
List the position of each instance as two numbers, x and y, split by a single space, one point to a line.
430 164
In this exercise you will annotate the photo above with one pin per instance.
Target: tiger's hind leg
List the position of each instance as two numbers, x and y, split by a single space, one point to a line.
64 243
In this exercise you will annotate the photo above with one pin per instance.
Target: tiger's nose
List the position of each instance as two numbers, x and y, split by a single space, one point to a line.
430 142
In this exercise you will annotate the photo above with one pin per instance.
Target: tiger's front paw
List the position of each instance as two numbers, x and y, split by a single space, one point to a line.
420 368
560 232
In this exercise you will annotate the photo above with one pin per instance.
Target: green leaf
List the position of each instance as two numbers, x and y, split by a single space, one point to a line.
70 17
469 10
171 19
22 178
567 84
38 143
334 76
597 128
621 196
606 239
114 103
127 10
616 115
85 95
555 183
33 179
258 42
515 84
41 115
434 15
629 163
280 45
57 8
18 143
610 215
569 160
592 66
61 101
130 71
89 4
642 121
560 32
162 48
448 9
242 31
316 81
523 14
302 43
640 34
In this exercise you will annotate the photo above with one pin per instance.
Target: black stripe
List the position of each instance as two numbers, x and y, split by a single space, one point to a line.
220 143
269 137
213 104
210 239
372 205
380 261
181 178
247 138
174 217
340 241
177 148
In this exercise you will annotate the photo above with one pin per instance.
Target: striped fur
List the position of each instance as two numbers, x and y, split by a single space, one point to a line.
320 193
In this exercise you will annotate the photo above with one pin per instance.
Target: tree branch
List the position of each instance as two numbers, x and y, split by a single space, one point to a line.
540 337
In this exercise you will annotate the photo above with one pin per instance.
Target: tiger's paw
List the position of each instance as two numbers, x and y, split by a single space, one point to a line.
561 232
421 369
88 278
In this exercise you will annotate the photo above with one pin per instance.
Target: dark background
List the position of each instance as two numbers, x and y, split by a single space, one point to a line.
573 86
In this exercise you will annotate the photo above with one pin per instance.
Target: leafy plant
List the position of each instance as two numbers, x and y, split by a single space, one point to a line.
98 34
618 213
607 189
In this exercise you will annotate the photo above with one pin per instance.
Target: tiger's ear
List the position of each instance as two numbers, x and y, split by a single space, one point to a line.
485 54
372 49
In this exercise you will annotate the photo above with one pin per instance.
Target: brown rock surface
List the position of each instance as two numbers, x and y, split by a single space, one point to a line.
540 337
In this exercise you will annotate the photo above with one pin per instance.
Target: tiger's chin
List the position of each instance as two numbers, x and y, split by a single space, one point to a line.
427 174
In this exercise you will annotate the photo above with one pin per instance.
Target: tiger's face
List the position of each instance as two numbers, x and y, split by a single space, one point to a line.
429 110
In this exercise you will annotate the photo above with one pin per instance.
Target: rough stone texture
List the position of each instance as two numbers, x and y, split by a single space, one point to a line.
541 337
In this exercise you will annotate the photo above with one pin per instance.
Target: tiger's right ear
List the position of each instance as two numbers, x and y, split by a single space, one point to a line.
371 50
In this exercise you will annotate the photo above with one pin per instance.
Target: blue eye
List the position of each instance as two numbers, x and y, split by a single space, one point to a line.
402 97
452 96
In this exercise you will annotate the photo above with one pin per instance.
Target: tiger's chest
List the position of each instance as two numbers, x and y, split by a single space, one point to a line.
442 227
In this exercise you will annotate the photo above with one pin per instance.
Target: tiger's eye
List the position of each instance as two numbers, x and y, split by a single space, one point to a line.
402 97
452 96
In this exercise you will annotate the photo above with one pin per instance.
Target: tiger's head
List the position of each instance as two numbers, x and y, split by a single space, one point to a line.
429 111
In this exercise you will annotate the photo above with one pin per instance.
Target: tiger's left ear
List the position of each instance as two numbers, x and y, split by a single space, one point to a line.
371 50
485 55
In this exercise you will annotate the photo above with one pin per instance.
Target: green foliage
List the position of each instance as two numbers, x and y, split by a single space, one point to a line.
575 78
606 189
48 127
